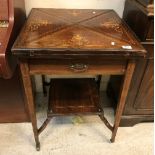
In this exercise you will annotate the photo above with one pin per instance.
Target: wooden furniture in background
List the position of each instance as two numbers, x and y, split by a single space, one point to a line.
140 100
76 42
12 101
146 3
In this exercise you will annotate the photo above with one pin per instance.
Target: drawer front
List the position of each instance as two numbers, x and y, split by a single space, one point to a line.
150 33
82 67
149 46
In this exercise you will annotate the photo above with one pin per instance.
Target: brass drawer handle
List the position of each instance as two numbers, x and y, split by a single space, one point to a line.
79 68
4 24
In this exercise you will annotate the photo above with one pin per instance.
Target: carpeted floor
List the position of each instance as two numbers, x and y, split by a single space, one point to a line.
76 135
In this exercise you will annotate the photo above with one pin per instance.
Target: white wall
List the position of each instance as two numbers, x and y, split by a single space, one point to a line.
117 5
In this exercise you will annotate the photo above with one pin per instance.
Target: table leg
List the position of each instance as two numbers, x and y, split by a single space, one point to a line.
123 95
30 100
44 85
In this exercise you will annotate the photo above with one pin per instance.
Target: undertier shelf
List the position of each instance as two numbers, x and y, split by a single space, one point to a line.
74 96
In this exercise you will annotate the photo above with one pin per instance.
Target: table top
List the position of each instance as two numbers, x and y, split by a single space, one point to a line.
74 31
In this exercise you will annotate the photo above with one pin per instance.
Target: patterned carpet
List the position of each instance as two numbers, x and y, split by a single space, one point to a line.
76 135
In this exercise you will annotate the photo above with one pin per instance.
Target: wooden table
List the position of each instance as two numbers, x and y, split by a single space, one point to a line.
76 42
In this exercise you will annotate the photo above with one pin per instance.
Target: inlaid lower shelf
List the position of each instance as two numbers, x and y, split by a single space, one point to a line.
73 96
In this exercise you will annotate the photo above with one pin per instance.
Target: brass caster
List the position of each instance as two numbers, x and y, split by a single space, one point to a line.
112 140
38 146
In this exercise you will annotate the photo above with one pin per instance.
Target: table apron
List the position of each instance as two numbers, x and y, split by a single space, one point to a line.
78 69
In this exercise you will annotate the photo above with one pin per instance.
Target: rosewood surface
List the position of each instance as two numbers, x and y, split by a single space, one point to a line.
50 32
73 96
78 42
140 100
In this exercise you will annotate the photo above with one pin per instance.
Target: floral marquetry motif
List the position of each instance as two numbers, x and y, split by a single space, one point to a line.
79 43
78 40
36 24
67 29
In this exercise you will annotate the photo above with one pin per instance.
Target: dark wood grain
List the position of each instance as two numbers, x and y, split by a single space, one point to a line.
71 96
139 20
123 94
64 66
149 46
13 107
30 100
140 100
131 120
146 2
146 90
60 31
70 41
132 106
150 33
